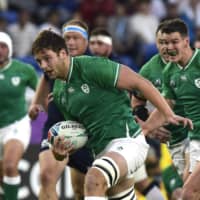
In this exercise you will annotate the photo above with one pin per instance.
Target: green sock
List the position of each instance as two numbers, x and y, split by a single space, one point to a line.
2 197
10 186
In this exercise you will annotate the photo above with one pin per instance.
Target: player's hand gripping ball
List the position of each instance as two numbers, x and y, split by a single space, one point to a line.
72 131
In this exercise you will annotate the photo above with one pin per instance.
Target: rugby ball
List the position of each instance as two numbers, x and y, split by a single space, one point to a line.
71 130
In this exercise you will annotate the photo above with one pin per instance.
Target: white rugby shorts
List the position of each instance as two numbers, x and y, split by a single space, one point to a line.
19 130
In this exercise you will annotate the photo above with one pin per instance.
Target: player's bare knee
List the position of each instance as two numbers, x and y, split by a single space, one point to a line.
9 168
94 181
47 175
103 174
188 194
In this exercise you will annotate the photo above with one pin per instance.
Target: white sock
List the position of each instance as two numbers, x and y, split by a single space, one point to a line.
95 198
12 180
154 194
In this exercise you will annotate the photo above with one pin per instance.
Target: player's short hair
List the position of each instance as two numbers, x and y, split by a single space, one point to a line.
162 23
175 25
48 39
100 31
101 34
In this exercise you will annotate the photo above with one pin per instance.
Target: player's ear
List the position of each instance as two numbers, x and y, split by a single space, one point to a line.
63 52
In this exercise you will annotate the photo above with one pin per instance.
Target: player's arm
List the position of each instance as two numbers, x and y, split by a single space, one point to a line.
130 80
139 107
39 101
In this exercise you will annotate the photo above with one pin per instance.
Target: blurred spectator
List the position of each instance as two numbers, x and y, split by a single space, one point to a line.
3 24
23 32
3 5
158 8
100 20
197 39
51 20
29 5
143 24
90 8
118 26
191 8
174 11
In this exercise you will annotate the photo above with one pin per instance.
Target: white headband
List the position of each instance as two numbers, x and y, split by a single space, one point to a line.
5 38
102 38
78 29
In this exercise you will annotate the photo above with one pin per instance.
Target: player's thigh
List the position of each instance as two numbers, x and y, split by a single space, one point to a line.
192 184
194 154
49 165
116 163
140 174
77 179
128 153
178 155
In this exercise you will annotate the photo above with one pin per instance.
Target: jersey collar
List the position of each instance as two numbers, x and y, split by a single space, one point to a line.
194 55
70 69
6 66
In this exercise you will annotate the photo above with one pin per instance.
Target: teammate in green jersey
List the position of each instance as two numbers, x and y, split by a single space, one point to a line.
15 128
182 88
178 141
100 44
93 93
75 33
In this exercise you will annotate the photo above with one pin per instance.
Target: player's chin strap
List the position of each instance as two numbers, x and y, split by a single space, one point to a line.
109 169
128 194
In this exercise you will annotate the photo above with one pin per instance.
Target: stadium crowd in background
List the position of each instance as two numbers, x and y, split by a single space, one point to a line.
132 24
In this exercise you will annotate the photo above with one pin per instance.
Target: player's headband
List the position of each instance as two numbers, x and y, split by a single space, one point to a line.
103 38
78 29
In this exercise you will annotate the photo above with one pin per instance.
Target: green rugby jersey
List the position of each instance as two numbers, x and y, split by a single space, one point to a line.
183 86
153 71
90 96
14 78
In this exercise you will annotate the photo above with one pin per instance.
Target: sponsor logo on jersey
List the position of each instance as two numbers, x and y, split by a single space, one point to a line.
157 82
183 78
197 82
172 83
15 80
85 88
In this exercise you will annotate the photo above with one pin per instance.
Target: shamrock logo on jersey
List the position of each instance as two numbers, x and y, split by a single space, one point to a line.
15 80
197 82
85 88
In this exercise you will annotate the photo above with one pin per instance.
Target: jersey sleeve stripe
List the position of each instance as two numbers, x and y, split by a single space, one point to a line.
116 75
70 69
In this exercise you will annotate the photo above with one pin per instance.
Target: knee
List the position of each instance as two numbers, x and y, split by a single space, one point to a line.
9 168
95 182
188 194
47 175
